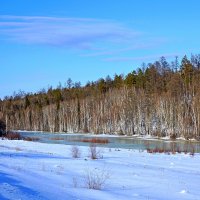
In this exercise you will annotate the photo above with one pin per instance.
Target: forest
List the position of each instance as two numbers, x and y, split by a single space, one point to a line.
159 99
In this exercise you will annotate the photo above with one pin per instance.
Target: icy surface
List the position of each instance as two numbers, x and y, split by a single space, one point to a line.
30 170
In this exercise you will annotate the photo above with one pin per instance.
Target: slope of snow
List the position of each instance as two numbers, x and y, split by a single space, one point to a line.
40 171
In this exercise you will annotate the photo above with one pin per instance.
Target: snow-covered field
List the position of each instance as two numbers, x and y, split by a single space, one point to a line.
31 170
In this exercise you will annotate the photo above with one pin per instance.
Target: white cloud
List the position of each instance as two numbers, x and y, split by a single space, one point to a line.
81 33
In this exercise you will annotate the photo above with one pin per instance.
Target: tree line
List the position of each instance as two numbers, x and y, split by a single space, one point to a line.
159 99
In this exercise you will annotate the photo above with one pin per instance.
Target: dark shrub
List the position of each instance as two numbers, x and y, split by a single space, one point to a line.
173 136
2 127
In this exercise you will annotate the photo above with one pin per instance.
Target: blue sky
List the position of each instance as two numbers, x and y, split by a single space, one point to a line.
44 42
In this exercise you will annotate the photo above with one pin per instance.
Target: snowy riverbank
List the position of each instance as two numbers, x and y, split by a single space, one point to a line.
31 170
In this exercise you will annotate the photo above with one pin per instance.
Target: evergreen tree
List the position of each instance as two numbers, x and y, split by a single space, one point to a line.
130 79
186 71
118 81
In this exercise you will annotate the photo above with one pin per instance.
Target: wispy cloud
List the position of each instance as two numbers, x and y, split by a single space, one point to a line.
137 46
142 58
80 33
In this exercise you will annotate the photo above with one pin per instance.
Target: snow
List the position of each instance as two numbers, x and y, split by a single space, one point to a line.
33 170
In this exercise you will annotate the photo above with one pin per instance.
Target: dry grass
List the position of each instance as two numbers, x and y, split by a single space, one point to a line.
173 149
13 136
96 178
31 139
94 152
75 151
56 138
96 140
